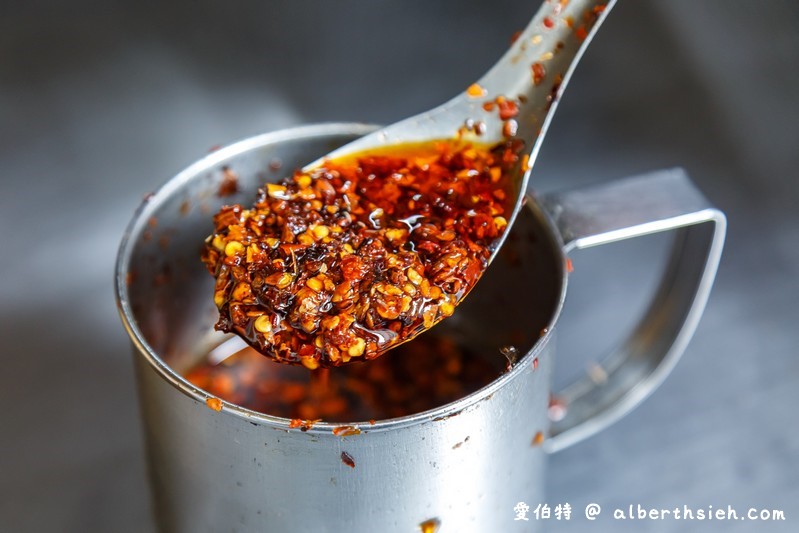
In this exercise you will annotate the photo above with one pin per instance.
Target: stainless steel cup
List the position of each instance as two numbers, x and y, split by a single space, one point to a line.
463 466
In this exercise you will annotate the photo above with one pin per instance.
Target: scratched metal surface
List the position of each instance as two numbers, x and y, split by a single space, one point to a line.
100 103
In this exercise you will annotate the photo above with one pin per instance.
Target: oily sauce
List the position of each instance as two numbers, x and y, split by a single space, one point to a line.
427 372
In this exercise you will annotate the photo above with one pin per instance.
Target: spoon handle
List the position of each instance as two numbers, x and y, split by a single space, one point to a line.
534 71
554 40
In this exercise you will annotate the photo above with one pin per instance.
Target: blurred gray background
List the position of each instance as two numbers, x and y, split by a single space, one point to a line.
101 102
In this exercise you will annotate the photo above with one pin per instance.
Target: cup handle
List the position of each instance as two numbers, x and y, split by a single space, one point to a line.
658 201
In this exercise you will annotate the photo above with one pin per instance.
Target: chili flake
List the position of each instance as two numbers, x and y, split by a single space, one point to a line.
346 431
475 90
230 183
538 73
350 259
507 108
509 128
347 459
214 403
430 526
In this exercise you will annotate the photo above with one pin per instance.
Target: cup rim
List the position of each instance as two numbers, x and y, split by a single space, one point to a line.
151 203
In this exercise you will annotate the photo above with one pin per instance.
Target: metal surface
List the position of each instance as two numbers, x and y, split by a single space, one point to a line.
465 464
660 201
547 40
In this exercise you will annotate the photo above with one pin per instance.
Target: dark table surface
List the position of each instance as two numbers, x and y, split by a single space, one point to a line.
101 102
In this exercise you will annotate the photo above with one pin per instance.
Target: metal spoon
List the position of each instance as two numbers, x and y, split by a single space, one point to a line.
532 74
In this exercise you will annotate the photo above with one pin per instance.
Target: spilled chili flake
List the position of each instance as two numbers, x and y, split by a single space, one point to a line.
509 128
230 183
507 107
538 73
346 431
526 163
475 127
347 459
430 526
304 425
475 90
214 403
346 261
553 93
